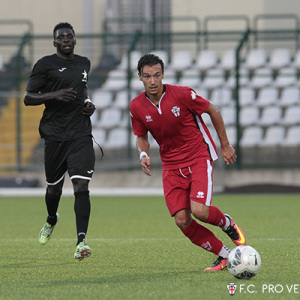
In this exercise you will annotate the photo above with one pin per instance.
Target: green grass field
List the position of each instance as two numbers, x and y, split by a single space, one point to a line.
139 253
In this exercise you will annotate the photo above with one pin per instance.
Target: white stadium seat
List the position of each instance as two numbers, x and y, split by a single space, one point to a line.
231 134
221 97
252 136
214 78
121 100
289 96
262 77
246 96
286 77
190 77
292 138
134 58
256 58
243 78
117 138
170 77
274 136
116 80
163 55
291 116
227 61
249 115
181 60
206 59
109 118
229 115
267 96
99 136
279 58
271 115
102 99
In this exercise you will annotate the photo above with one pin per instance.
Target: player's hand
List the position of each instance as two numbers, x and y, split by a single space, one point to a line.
65 95
145 165
89 109
228 154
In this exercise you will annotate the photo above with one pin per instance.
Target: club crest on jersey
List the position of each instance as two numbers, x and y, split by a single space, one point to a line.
85 76
176 111
149 118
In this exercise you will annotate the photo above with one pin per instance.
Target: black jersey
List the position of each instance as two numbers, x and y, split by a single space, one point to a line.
62 121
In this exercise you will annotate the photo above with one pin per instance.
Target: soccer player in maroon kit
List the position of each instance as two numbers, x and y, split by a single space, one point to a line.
172 114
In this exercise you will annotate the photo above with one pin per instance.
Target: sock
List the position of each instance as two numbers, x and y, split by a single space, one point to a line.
203 237
216 217
227 224
224 252
52 201
82 208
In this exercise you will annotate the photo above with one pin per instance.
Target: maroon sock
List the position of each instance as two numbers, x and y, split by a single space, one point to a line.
203 237
216 217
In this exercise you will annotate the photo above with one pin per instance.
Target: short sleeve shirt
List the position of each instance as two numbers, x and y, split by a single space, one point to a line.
176 124
62 120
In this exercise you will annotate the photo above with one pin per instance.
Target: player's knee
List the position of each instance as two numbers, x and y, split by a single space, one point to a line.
201 214
80 185
54 191
183 223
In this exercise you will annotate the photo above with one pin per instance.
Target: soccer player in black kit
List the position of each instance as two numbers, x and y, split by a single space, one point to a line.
59 81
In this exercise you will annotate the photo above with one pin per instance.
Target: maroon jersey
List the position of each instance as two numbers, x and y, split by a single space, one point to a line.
176 125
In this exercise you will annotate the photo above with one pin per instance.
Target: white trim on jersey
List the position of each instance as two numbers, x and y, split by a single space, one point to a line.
209 184
213 153
81 177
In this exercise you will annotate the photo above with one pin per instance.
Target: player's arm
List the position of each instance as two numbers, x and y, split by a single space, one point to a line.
33 99
143 147
227 151
89 106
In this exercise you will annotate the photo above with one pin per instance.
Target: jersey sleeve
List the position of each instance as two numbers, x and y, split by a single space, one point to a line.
38 78
194 102
138 127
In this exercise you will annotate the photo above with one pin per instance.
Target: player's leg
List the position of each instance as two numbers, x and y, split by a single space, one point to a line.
81 163
55 167
201 198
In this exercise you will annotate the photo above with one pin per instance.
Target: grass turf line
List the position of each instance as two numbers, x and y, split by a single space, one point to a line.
138 253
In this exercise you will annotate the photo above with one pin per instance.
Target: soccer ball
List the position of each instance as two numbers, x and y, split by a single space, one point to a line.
243 262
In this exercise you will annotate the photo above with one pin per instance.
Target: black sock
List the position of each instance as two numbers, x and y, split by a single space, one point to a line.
52 201
52 220
82 208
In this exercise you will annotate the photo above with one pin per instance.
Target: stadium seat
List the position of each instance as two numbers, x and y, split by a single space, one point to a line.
249 115
121 100
267 96
206 59
136 84
252 136
274 136
231 134
134 58
229 115
262 77
163 55
256 58
246 96
109 118
116 80
279 58
190 77
117 138
227 61
99 136
102 99
243 79
181 60
292 138
170 77
291 116
221 96
214 78
271 115
95 117
286 77
289 96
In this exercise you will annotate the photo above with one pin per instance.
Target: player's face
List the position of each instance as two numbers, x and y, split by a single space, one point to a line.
64 41
152 79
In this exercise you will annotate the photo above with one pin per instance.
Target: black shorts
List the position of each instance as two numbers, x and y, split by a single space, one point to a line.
75 156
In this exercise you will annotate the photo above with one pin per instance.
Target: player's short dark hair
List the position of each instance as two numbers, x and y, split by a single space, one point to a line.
150 59
62 25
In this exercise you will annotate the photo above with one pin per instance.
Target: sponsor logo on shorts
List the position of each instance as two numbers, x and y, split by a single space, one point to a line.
90 171
200 194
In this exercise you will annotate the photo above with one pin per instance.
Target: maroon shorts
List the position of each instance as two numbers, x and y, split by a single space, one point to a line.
194 182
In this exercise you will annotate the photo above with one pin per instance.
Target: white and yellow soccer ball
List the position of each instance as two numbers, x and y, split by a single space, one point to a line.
243 262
